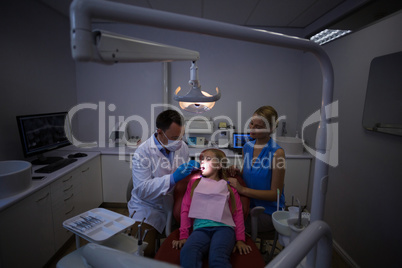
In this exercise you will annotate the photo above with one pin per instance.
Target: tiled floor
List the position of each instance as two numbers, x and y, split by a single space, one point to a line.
337 261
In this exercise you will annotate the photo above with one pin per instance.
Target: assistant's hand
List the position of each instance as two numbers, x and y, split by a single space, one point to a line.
184 170
178 244
236 184
242 247
233 171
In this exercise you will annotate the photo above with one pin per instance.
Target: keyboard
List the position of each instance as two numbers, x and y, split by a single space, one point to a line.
56 165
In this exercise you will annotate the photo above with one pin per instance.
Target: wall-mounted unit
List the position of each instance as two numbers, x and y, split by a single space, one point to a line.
199 124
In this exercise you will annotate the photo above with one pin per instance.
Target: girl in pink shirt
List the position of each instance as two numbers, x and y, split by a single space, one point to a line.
214 211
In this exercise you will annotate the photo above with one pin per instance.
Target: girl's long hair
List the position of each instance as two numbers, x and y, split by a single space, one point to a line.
222 175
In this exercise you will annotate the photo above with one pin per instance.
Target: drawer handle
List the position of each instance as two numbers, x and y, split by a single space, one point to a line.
68 198
67 179
71 210
66 190
40 199
85 170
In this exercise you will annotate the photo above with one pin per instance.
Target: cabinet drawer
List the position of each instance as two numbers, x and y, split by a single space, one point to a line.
63 187
91 184
61 212
65 204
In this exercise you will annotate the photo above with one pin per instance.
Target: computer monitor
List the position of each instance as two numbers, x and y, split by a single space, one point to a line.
41 133
239 139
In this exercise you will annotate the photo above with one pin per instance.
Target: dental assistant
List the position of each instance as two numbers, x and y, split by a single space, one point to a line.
157 165
263 168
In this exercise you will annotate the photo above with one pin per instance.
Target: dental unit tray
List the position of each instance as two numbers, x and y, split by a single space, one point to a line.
98 225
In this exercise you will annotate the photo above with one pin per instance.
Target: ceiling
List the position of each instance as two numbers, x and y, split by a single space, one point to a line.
301 18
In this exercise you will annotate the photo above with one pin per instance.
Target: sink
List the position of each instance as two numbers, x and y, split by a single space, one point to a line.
291 145
280 221
15 177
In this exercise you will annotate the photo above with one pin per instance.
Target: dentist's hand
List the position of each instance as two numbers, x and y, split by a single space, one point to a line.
184 170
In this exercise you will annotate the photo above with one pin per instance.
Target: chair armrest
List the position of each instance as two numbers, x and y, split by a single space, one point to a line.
254 221
169 211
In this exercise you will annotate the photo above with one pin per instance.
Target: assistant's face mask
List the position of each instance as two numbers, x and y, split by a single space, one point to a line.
173 145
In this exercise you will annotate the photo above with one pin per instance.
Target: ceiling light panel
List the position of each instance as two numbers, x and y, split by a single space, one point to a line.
328 35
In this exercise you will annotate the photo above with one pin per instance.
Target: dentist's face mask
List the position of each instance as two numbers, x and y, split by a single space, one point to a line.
173 145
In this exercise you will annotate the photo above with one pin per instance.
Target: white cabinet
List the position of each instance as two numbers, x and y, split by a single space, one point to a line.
65 204
31 230
116 174
26 236
91 184
297 179
74 193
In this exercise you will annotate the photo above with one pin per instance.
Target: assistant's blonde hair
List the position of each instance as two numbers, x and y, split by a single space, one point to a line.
269 114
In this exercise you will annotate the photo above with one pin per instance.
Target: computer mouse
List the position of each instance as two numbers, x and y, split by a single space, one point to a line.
77 155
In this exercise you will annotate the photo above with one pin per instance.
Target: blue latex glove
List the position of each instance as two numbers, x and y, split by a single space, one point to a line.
184 170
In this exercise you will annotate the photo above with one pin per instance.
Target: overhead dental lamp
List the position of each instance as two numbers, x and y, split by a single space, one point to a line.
196 101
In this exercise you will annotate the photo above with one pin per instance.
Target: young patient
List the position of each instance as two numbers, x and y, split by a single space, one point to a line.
214 210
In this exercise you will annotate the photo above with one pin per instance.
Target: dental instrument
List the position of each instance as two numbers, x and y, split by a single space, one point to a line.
128 230
139 232
145 234
277 199
132 214
85 224
140 238
299 224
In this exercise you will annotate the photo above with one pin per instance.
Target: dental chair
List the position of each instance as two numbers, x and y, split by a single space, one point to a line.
170 255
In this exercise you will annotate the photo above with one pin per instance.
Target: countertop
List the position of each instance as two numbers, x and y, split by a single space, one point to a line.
36 185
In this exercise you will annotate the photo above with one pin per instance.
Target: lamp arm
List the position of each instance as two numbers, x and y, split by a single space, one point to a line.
194 82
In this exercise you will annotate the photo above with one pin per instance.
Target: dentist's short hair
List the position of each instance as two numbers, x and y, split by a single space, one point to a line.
166 118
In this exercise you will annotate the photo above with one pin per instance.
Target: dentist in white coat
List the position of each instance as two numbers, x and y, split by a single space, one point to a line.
158 164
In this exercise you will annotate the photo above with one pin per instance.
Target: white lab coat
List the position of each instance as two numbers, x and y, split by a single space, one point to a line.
151 182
